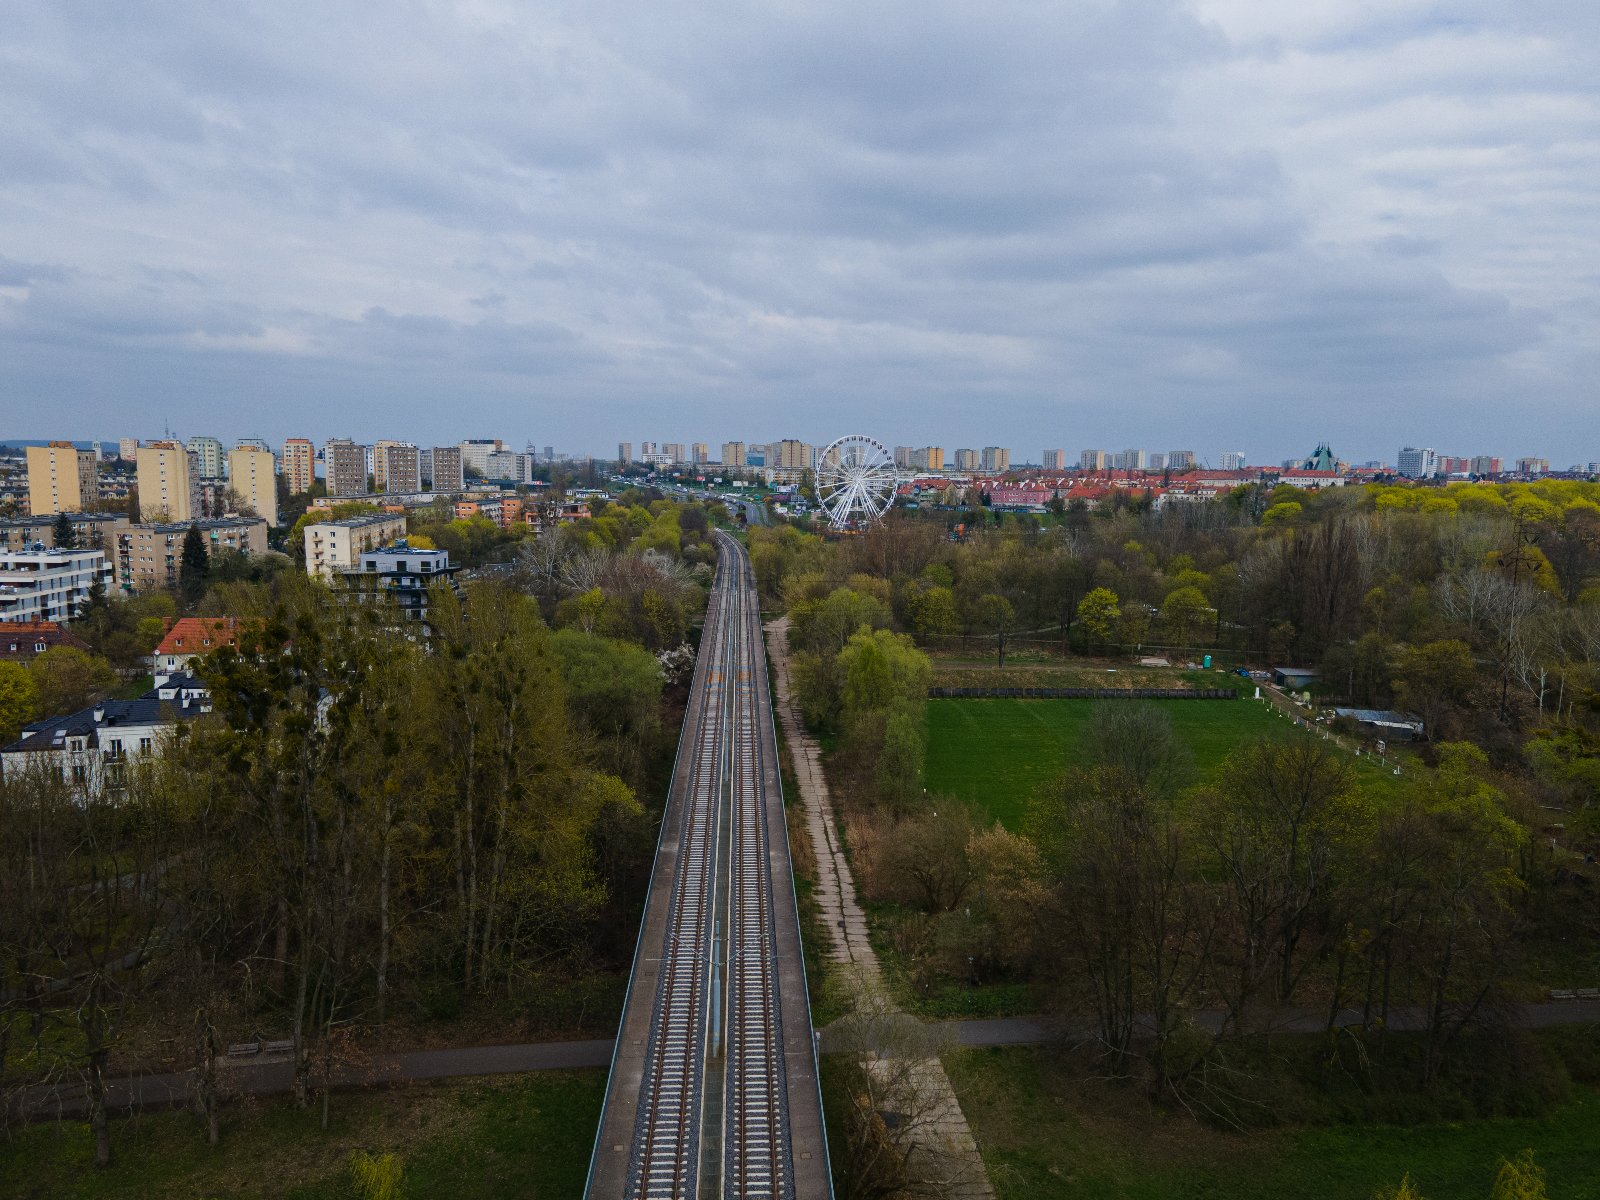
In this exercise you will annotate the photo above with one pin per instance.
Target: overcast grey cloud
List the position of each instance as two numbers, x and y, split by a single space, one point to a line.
1210 223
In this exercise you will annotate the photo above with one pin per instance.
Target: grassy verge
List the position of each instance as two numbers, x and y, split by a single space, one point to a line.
528 1136
1045 1132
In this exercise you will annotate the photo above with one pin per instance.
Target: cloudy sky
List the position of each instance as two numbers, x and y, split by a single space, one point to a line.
1214 224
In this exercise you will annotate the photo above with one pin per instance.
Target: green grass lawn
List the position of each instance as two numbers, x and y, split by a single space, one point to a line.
1044 1134
527 1136
994 754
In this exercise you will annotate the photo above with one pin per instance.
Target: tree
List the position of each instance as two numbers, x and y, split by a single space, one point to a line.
66 536
1098 614
19 700
1519 1178
925 861
1433 680
194 567
994 614
933 613
1185 612
1405 1190
67 680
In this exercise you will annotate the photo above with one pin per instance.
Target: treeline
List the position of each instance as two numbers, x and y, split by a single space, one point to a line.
367 825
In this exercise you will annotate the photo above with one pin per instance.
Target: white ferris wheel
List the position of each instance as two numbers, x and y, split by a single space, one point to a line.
856 480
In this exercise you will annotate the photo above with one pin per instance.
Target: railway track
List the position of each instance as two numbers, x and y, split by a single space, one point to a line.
701 1082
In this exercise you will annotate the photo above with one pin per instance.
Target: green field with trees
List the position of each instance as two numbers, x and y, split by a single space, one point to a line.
1149 861
995 754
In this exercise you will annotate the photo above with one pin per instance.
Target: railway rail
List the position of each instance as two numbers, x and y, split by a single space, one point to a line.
713 1088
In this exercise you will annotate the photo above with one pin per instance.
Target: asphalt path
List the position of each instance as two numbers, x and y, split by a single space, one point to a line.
273 1075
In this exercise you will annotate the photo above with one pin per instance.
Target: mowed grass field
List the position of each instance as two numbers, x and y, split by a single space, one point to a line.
528 1136
1047 1135
994 754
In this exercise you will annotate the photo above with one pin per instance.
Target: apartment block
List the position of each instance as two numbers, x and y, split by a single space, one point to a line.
396 467
966 460
334 546
208 456
252 473
1092 460
1180 460
475 453
1130 460
996 459
61 478
700 453
792 455
508 465
49 585
902 456
624 452
149 556
1533 466
1054 460
91 531
1486 464
345 464
1233 460
675 449
1417 462
445 469
733 454
127 449
928 458
169 482
299 465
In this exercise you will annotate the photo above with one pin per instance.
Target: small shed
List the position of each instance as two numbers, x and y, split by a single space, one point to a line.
1381 722
1296 679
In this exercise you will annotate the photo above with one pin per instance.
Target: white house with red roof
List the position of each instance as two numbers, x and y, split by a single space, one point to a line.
193 636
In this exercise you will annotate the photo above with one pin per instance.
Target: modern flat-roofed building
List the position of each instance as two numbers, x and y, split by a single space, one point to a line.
928 458
150 557
475 453
996 460
508 465
733 454
398 573
61 478
252 473
49 585
127 449
1092 460
966 459
344 464
1485 464
208 456
1180 460
299 465
169 482
1232 460
334 546
624 452
792 454
699 452
1054 460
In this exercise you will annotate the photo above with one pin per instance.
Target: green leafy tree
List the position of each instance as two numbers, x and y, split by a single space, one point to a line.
66 537
1434 681
1519 1178
933 613
1098 615
993 614
1185 612
19 699
67 679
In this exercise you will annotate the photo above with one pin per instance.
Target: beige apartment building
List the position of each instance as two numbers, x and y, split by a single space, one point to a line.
252 473
149 557
299 465
61 478
396 467
733 454
169 483
345 465
334 546
928 458
791 455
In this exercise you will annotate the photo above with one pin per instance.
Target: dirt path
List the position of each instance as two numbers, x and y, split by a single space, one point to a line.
942 1133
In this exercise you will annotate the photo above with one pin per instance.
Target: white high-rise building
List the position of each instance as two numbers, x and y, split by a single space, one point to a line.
209 454
1233 460
1180 460
1417 462
1055 460
1092 460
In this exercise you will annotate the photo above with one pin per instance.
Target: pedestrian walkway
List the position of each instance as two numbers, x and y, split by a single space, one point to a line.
944 1146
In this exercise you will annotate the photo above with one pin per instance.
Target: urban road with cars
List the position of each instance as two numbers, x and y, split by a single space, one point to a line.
713 1089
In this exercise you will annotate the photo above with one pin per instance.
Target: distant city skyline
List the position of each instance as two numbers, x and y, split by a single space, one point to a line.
1187 222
